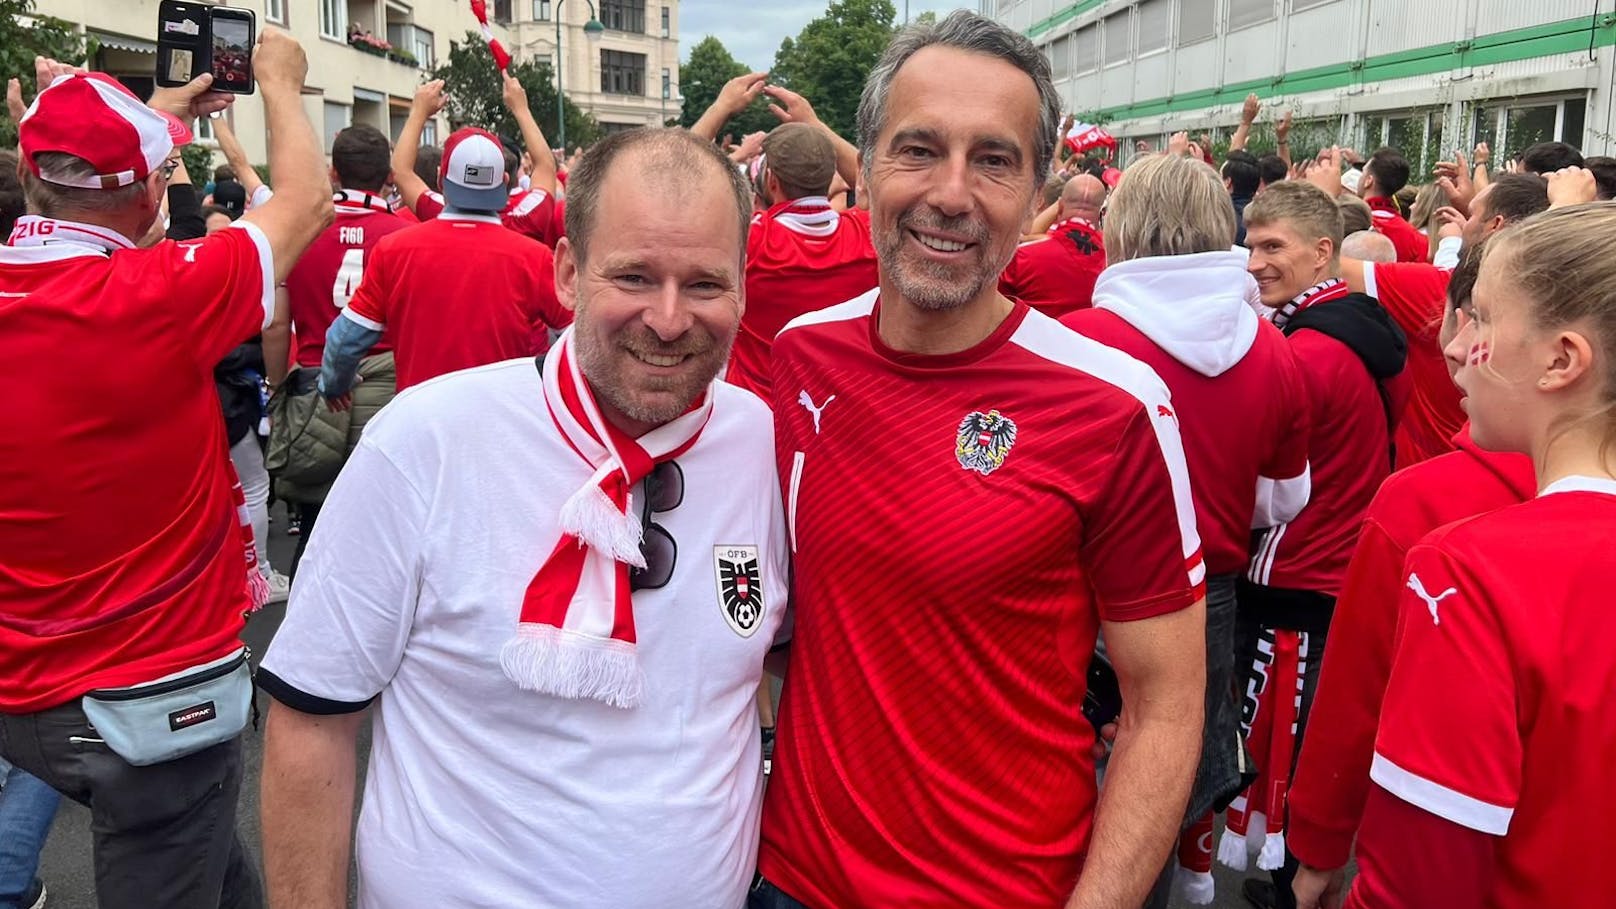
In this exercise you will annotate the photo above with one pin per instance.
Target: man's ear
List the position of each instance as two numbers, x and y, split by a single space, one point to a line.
566 274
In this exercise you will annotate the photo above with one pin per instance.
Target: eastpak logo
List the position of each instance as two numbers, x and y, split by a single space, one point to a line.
191 716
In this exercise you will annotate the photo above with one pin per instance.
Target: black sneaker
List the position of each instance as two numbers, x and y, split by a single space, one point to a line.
34 897
1260 893
294 524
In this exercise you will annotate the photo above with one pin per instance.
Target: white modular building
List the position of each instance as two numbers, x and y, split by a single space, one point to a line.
1424 76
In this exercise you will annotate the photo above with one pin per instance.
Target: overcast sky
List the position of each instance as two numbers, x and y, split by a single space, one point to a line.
753 30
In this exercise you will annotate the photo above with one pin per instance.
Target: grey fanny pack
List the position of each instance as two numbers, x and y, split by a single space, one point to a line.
175 715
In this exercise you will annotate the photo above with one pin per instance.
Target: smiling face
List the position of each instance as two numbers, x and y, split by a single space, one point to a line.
1285 263
659 299
951 176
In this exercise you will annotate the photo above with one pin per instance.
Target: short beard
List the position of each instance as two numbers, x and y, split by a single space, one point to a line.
932 288
668 399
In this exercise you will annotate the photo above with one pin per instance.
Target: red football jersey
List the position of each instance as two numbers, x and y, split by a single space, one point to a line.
120 547
458 291
1416 296
1497 712
429 205
1411 245
801 256
1331 782
961 524
1248 422
1056 275
1348 446
329 272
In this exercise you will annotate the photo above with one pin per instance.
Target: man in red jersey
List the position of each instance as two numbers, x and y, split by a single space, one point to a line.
972 492
1413 293
1175 298
459 290
1055 275
320 286
802 254
121 569
530 212
1332 776
1385 173
1351 357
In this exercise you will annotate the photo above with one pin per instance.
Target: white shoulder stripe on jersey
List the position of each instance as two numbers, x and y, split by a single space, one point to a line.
1445 803
856 308
1279 501
266 264
1040 335
1371 287
1580 484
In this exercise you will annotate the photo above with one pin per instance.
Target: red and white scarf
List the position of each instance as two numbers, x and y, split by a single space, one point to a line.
1255 821
1322 292
575 637
502 58
1070 224
810 216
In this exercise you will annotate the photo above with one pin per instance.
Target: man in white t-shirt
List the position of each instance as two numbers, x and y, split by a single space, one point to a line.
557 582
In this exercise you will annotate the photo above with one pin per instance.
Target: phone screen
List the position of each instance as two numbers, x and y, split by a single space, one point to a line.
232 52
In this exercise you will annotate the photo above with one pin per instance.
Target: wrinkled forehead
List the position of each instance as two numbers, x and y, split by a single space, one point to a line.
964 96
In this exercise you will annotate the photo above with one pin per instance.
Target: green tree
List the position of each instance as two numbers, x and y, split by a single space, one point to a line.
700 80
475 94
25 34
832 55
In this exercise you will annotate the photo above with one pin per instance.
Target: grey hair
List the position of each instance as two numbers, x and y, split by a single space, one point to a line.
967 31
674 152
54 199
1167 205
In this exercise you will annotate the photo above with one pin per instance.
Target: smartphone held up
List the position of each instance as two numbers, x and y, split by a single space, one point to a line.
197 38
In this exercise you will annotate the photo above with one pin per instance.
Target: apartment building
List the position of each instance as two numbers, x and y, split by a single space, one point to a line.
366 57
1426 76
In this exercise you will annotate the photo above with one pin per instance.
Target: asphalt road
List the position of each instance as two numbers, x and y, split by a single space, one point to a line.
66 867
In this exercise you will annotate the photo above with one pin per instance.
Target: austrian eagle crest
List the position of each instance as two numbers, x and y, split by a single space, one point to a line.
984 441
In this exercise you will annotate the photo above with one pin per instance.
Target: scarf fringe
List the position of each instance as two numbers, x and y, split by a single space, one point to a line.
567 664
1194 887
257 588
590 515
1272 856
1232 850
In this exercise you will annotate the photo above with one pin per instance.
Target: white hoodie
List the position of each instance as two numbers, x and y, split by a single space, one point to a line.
1197 307
1202 310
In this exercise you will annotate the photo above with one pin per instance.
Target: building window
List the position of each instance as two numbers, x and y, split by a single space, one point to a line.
429 132
502 11
334 19
1086 50
623 15
667 27
336 119
1059 52
275 11
424 49
1249 12
667 83
1117 38
622 73
1197 20
541 10
1155 25
1307 4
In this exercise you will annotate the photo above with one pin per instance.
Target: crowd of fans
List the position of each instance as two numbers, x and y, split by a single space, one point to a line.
1085 510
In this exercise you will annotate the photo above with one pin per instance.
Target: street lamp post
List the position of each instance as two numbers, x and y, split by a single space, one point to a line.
592 30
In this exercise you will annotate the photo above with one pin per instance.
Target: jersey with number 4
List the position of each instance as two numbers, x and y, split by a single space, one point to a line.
324 280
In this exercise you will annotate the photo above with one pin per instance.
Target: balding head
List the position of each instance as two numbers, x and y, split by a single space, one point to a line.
1082 197
1370 246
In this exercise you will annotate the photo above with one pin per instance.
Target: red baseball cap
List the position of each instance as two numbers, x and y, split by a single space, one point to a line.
1111 177
94 117
472 175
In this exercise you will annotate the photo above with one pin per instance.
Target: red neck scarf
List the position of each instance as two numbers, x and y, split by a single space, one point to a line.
575 637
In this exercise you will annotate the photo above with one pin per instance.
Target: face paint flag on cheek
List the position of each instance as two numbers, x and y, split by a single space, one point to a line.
502 58
1480 353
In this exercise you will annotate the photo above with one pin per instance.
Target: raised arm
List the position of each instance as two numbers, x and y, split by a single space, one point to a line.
1282 138
543 175
1248 116
236 156
301 207
733 98
429 99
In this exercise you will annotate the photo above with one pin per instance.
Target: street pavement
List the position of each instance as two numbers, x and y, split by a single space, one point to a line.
65 864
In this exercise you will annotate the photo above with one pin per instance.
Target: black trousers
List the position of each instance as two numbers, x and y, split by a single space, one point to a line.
164 835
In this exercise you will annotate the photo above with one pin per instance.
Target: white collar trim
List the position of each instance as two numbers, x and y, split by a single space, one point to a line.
1604 485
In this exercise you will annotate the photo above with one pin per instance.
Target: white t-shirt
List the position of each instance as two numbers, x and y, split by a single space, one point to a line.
481 794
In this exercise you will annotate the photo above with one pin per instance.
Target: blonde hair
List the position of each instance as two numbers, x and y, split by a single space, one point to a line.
1306 209
1356 214
1167 205
1561 260
1423 212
